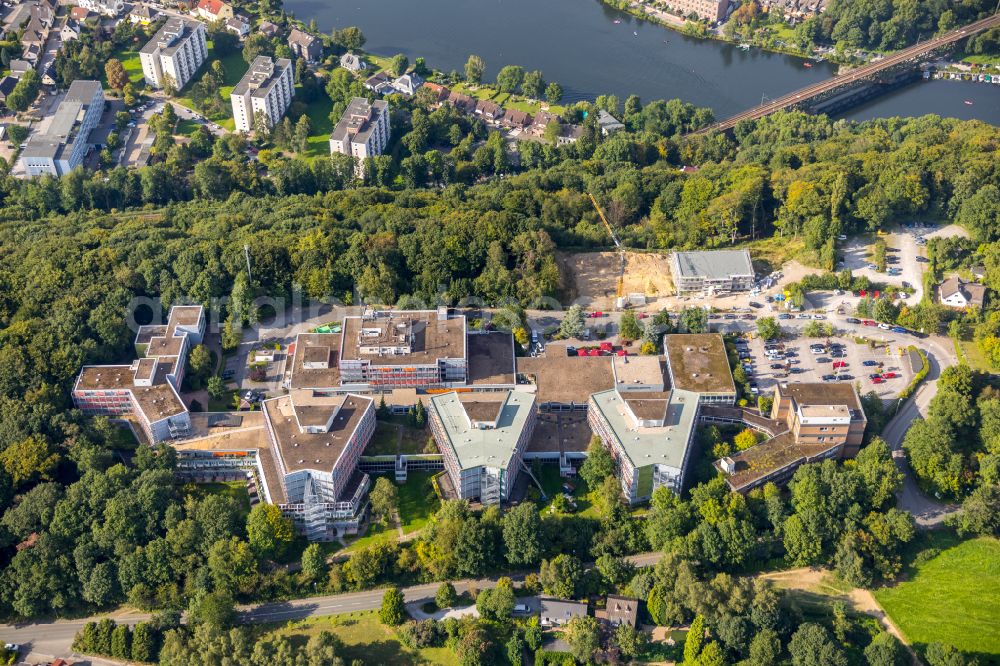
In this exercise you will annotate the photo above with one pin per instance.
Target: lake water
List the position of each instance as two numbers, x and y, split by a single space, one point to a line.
578 44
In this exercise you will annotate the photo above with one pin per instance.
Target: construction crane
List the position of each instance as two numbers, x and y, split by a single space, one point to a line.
621 252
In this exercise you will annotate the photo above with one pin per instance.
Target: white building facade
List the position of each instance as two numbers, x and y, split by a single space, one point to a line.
265 92
363 131
174 53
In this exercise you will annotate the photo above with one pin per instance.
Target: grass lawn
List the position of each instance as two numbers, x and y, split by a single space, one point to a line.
133 67
417 501
365 638
376 534
505 99
319 116
236 490
552 483
387 440
234 66
974 356
223 405
953 597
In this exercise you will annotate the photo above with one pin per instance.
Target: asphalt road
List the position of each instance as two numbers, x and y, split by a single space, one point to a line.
47 640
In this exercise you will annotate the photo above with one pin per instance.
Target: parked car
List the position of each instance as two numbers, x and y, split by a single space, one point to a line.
877 380
869 363
884 326
889 375
755 304
522 608
803 315
729 316
819 316
853 320
869 322
845 378
784 315
875 375
842 237
777 366
829 378
898 329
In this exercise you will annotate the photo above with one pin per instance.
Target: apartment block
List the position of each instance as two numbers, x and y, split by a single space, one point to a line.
174 53
823 420
482 437
403 349
362 132
712 272
647 427
147 390
263 94
64 145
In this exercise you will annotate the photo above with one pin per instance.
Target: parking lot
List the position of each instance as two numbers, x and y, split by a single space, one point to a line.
795 362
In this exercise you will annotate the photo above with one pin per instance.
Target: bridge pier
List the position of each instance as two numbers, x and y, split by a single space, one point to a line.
864 92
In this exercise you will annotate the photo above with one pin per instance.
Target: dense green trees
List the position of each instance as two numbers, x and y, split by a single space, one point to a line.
957 447
889 25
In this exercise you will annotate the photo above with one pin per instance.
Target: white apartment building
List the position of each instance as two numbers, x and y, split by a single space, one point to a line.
363 131
62 147
174 53
266 90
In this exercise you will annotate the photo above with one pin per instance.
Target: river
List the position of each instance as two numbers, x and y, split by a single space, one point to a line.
578 44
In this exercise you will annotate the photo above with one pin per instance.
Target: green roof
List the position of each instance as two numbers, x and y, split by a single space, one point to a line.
490 446
665 445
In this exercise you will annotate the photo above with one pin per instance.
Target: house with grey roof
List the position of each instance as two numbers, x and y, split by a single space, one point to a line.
352 63
711 272
956 293
558 612
407 84
608 123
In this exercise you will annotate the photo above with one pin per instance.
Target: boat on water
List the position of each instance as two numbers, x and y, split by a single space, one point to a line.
635 33
745 47
968 102
617 21
807 64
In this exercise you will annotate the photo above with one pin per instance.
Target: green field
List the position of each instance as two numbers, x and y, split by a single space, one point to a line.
365 638
953 597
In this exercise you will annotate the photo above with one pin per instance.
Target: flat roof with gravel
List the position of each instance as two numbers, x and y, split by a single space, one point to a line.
698 362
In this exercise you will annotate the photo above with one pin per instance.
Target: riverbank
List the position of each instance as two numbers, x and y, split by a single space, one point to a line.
700 30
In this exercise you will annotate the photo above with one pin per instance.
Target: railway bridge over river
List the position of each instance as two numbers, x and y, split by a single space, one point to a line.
886 71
